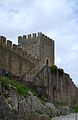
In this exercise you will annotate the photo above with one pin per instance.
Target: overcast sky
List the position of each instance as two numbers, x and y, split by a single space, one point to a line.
58 19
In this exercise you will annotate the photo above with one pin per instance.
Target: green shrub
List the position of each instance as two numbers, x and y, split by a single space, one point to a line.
54 68
61 71
75 109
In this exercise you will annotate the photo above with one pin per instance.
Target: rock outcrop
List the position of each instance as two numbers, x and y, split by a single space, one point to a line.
14 106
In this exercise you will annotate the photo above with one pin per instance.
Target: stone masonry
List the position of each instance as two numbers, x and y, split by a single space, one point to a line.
14 59
31 59
39 46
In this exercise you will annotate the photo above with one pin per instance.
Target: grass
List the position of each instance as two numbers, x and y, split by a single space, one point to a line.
19 87
10 83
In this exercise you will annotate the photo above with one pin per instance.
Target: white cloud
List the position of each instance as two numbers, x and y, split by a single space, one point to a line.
56 18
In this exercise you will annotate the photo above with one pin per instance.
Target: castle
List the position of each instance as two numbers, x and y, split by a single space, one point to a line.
31 60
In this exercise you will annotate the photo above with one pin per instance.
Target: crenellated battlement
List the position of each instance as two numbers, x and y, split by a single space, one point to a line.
2 40
9 44
29 47
31 59
30 36
47 38
35 44
33 35
16 49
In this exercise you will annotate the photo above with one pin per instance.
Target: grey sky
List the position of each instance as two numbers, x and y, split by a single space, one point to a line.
57 19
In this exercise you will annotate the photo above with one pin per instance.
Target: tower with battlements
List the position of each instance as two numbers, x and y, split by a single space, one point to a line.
39 46
30 59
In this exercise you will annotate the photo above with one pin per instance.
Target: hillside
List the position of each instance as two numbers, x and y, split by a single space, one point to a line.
18 102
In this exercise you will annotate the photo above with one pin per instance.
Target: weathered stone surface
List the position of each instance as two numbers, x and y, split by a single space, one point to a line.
30 60
42 47
16 107
52 110
64 110
36 104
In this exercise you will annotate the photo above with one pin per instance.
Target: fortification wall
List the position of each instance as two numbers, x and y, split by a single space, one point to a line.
57 87
30 44
65 90
73 89
38 45
47 50
14 59
39 79
61 88
76 91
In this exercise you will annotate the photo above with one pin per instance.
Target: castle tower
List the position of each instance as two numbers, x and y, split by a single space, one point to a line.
39 46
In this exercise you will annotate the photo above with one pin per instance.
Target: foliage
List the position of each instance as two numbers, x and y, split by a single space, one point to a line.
20 88
61 71
75 109
54 68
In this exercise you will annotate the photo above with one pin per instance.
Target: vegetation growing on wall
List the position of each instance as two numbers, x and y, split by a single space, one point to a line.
61 71
55 69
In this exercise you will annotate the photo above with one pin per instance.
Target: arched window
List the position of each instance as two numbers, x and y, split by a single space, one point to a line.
47 62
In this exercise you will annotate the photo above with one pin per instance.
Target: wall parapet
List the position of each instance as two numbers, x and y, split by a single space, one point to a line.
29 36
2 40
32 36
16 49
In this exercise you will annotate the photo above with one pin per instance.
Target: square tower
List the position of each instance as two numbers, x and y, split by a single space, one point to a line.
39 46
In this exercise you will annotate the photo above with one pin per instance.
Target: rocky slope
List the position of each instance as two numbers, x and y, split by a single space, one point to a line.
18 103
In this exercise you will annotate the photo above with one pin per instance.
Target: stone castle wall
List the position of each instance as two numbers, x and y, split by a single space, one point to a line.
30 44
56 87
64 89
13 59
47 50
29 59
39 46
